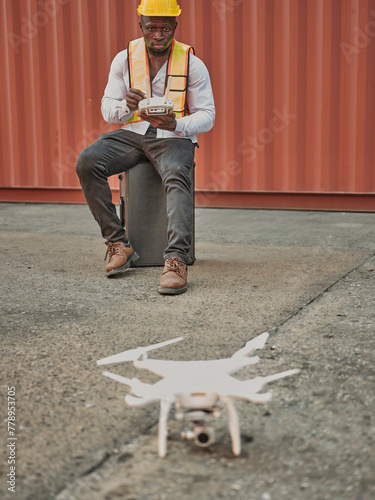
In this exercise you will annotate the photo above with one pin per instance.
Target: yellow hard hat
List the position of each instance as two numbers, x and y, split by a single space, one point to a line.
162 8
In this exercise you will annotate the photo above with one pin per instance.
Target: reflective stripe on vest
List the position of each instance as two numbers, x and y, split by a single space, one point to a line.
178 68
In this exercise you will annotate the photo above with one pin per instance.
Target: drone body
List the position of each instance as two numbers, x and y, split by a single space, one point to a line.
194 387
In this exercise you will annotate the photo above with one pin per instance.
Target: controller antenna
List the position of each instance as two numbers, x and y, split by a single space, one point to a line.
147 91
168 89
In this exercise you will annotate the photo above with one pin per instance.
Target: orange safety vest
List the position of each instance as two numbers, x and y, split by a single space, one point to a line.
178 69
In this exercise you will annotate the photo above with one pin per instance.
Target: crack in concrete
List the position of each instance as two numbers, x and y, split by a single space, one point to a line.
274 330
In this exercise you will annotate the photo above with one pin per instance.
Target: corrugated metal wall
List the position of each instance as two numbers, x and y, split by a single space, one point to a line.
294 84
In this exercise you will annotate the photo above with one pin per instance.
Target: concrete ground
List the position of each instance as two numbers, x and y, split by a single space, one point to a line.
306 277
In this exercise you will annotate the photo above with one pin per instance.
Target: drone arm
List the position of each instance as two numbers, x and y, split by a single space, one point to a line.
140 389
161 367
260 398
138 401
250 395
247 389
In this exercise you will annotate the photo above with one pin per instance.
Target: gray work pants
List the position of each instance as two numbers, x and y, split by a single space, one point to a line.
118 151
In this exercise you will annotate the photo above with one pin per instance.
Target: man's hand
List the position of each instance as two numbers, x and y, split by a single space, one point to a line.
165 122
133 97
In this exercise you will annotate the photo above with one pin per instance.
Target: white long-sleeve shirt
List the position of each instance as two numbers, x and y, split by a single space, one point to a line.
199 99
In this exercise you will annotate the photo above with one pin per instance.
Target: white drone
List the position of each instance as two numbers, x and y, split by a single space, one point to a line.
194 387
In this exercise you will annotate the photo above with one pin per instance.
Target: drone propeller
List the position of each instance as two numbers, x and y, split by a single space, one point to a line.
251 346
120 378
134 354
277 376
249 389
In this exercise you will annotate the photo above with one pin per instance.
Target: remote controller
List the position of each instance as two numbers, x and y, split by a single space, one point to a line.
156 105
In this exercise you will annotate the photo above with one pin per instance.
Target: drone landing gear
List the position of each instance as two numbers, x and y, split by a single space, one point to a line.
202 435
234 426
165 407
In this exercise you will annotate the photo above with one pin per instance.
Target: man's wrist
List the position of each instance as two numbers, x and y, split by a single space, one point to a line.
179 126
124 111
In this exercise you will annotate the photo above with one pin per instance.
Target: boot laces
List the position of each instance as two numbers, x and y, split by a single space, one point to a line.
176 265
112 249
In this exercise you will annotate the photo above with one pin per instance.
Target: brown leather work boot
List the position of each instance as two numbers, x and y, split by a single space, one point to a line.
174 277
120 257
